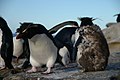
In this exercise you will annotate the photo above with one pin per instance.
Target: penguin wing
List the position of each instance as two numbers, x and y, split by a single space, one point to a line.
57 27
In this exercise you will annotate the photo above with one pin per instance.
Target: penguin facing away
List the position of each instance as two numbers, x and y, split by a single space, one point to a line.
43 51
7 45
66 37
86 21
92 48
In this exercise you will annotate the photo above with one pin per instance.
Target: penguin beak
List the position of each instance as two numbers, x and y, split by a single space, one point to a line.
19 36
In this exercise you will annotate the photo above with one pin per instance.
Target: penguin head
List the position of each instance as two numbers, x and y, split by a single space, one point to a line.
3 23
116 15
28 30
86 21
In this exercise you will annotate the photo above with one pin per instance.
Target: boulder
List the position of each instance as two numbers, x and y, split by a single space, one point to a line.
110 24
112 34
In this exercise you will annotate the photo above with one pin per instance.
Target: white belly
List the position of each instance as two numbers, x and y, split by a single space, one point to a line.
42 49
18 47
2 63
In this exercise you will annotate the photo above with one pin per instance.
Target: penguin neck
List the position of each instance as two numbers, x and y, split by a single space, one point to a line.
90 23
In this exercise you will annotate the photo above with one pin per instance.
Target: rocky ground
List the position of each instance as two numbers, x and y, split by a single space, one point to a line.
112 72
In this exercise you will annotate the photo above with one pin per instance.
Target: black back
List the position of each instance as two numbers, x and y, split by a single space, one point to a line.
118 18
7 43
64 37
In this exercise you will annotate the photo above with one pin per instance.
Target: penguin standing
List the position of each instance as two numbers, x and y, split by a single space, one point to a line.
62 45
66 37
7 44
26 50
43 50
18 47
2 63
92 47
118 17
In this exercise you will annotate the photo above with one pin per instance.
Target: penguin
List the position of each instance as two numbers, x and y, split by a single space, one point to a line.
118 17
66 37
26 50
7 45
18 47
2 63
43 50
63 55
92 47
60 45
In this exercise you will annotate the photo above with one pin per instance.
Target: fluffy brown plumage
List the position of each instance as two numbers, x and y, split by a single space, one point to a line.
93 50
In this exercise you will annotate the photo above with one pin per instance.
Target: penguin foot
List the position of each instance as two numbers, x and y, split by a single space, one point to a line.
32 70
48 71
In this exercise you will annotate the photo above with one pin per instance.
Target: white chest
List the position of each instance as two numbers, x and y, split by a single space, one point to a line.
18 47
41 49
1 59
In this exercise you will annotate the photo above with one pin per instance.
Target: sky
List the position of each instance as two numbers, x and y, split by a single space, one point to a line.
52 12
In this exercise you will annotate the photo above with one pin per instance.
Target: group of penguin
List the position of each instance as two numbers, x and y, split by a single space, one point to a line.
84 44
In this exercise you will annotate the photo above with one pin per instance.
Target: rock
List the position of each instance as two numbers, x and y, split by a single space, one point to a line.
14 78
112 34
93 51
110 24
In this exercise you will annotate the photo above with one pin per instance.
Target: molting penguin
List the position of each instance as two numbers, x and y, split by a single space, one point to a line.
43 50
66 36
7 44
92 47
86 21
